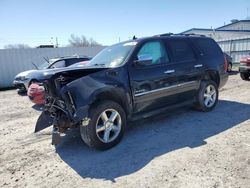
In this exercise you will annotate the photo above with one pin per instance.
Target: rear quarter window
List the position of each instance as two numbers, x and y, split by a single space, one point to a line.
207 46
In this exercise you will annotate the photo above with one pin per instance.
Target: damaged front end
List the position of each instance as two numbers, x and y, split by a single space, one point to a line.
60 109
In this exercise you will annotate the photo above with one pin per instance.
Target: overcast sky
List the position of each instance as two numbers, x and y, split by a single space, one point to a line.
35 22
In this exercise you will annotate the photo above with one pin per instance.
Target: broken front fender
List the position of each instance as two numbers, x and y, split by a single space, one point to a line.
81 93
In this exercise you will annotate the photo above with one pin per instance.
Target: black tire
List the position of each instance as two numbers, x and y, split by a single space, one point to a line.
244 76
89 132
22 91
200 104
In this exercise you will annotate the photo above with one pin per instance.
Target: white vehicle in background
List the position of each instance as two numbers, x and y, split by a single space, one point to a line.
23 80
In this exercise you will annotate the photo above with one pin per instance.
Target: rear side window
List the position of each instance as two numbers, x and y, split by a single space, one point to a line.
207 47
181 51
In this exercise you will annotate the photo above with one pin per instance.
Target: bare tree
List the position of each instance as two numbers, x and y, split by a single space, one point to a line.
82 41
16 46
92 42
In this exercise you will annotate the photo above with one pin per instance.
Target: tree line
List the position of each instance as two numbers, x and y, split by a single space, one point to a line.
74 41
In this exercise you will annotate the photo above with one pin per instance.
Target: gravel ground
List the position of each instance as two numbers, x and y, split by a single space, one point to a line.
184 148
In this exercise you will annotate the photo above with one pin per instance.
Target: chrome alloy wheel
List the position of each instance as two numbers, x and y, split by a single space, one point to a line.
210 95
108 125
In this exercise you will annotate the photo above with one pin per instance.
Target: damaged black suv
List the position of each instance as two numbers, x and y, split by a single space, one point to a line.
131 80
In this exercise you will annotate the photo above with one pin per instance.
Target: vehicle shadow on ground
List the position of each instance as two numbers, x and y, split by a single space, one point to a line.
150 138
233 72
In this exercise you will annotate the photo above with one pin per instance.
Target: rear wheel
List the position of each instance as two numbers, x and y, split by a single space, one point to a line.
106 126
244 76
208 96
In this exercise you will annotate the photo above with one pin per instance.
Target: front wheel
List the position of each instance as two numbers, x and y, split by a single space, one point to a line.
106 126
208 96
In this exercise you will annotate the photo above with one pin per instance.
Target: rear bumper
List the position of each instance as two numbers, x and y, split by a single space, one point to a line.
223 79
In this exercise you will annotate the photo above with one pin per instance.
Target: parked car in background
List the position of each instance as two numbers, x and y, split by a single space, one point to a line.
244 67
131 80
23 80
36 89
229 60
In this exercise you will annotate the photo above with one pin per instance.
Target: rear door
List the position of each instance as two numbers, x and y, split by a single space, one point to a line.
188 68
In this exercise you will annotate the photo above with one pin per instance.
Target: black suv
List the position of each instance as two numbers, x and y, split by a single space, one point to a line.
131 80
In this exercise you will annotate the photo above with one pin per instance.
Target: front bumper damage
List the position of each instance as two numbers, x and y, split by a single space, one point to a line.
58 115
68 101
57 135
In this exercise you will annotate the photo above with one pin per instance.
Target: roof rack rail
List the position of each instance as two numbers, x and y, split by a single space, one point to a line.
179 34
193 34
164 35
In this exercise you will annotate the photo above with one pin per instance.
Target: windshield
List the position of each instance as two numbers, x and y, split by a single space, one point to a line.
113 56
44 65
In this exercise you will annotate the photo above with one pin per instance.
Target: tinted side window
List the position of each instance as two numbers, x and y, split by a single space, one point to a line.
207 46
155 50
181 50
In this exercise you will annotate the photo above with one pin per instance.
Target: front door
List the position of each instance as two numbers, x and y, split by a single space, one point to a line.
153 84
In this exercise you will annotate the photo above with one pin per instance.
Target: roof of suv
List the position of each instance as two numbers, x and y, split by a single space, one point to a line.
168 35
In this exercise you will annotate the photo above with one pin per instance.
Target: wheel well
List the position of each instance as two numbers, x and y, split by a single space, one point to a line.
108 95
212 75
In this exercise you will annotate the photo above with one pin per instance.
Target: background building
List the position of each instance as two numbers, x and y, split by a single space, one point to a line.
233 38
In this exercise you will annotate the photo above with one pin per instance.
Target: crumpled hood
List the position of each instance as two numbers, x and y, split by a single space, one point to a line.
49 73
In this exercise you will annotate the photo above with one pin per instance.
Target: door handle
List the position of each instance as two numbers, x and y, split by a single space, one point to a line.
169 71
198 65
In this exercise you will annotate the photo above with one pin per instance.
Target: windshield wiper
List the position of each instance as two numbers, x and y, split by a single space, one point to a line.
35 65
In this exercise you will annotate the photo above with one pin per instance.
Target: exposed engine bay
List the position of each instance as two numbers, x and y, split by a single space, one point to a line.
60 107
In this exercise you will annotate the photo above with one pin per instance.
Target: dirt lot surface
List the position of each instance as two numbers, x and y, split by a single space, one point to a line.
184 148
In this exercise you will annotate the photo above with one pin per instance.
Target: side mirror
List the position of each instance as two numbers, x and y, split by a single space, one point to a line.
144 60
